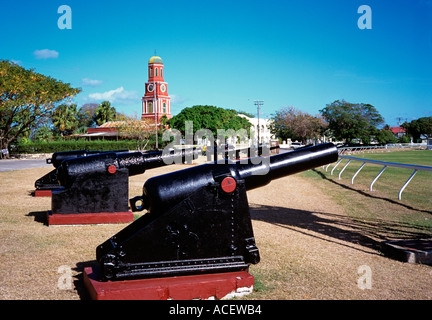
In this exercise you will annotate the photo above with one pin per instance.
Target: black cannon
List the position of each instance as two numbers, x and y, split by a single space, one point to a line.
227 151
100 183
198 219
49 181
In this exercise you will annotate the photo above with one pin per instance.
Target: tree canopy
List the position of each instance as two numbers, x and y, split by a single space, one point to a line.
291 123
26 98
65 118
86 114
351 121
134 128
209 117
104 113
419 127
385 136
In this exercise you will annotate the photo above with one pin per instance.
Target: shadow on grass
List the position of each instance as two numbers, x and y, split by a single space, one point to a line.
367 232
39 216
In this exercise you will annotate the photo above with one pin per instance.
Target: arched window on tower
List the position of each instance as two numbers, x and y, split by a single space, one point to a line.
150 107
164 107
161 72
156 72
151 72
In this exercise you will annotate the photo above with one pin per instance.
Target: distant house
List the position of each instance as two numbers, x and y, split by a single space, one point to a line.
261 128
398 131
106 130
116 129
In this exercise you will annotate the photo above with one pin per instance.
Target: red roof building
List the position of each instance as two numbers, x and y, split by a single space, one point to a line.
398 131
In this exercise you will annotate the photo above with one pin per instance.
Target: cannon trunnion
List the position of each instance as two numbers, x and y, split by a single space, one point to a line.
198 219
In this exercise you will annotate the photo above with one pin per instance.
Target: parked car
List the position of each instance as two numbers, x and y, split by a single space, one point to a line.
296 145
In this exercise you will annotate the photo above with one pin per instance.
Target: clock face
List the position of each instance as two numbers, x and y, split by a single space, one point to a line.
163 87
150 87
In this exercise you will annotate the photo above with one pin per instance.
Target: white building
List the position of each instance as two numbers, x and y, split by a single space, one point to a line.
261 126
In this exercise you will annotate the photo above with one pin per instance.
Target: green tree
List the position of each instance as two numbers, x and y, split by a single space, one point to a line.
247 114
86 115
44 133
419 127
65 118
27 98
349 121
209 117
104 113
385 136
163 121
297 125
132 127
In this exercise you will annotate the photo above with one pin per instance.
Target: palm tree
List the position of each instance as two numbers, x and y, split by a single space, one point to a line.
65 118
104 113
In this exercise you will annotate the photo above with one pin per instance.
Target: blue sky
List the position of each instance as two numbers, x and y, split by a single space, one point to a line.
304 54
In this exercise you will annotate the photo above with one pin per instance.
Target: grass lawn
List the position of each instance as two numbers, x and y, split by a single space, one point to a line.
413 210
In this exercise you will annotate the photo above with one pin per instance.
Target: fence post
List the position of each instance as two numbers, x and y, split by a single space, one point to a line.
376 178
406 183
331 173
344 168
355 174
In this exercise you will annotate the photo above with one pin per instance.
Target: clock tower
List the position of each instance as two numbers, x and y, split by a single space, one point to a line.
156 101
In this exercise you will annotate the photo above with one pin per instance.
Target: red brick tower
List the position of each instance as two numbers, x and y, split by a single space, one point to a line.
156 101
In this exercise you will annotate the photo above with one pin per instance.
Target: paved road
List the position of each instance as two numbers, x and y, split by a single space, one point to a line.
15 164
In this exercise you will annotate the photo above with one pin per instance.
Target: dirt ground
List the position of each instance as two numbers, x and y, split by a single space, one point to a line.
309 247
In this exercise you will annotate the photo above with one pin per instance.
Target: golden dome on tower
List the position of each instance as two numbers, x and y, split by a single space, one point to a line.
155 59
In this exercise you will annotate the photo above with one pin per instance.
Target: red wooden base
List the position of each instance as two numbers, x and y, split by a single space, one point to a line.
42 193
203 286
89 218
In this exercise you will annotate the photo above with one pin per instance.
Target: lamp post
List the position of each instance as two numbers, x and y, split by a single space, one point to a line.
155 111
258 103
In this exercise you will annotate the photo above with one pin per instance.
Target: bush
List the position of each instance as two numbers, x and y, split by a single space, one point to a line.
69 145
23 146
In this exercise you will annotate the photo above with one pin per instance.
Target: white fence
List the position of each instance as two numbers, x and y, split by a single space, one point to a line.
382 163
377 149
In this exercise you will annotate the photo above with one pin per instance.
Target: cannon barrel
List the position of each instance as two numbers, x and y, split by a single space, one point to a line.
286 164
58 157
166 190
135 162
49 181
